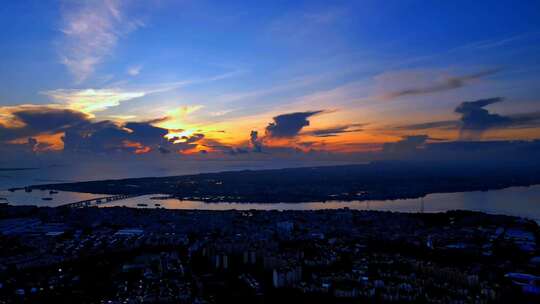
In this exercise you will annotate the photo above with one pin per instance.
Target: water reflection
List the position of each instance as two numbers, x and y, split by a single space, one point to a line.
45 198
518 201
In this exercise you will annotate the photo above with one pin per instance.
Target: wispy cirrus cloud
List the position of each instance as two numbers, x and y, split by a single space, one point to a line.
307 26
134 70
335 130
92 100
91 30
441 85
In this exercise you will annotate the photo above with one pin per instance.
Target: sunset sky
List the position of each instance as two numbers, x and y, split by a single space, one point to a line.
234 78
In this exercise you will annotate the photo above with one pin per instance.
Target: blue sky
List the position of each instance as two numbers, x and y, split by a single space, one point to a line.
225 68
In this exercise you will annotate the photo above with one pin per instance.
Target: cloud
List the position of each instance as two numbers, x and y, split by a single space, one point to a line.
221 113
134 70
134 137
448 83
176 118
255 141
525 120
335 131
122 117
475 120
29 120
309 26
91 30
92 100
407 143
147 133
444 124
289 125
76 131
99 137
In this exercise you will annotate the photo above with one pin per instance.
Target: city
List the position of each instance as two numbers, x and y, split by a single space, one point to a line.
126 255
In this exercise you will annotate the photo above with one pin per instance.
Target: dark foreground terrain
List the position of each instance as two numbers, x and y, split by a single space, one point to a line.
122 255
375 181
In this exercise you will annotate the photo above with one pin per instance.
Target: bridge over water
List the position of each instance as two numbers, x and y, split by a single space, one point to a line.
98 201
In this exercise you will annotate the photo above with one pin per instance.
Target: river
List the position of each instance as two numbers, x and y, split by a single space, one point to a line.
518 201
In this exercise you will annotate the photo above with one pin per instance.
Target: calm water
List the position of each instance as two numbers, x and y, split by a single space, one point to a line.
84 171
519 201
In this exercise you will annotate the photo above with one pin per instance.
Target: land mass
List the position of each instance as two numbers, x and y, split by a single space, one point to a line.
374 181
128 255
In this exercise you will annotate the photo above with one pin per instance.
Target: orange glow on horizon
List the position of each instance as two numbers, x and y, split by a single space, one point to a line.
178 136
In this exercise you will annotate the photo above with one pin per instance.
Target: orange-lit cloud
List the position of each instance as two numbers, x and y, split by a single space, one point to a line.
41 142
136 146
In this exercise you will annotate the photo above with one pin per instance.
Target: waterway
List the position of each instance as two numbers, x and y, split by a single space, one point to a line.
518 201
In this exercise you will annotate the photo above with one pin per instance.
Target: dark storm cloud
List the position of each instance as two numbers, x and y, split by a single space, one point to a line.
255 141
133 136
36 120
335 131
289 125
475 120
475 117
103 136
446 84
81 134
50 119
144 132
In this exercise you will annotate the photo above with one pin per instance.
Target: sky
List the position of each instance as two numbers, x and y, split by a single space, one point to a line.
263 79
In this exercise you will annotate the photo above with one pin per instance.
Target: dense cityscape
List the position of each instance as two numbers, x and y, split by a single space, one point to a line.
125 255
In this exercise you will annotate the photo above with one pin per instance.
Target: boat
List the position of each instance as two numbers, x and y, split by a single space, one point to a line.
53 192
157 205
142 205
47 198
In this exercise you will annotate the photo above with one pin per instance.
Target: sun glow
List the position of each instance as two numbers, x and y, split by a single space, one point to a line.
179 136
